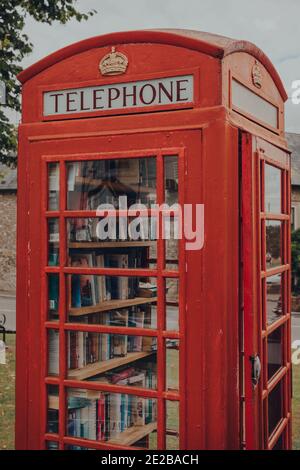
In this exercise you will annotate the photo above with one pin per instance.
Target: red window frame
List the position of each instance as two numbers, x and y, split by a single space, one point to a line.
282 376
62 325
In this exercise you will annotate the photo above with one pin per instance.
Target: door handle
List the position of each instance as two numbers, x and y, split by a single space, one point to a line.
256 369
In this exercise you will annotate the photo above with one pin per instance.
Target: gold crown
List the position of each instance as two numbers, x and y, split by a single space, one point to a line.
257 75
113 63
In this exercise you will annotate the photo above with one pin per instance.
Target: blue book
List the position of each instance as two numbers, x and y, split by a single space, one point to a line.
75 291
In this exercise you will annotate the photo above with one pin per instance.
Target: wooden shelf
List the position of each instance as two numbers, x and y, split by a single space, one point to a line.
110 305
116 244
133 434
100 367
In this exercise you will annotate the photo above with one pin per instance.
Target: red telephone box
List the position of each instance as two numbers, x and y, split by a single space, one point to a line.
138 340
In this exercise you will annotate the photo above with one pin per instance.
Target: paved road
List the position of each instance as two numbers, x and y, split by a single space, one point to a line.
8 308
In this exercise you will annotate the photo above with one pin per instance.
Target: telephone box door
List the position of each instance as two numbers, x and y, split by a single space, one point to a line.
107 294
265 184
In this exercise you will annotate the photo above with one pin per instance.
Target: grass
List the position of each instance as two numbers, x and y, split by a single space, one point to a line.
7 396
296 407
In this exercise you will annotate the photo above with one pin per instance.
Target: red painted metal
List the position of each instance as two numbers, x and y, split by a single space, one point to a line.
222 287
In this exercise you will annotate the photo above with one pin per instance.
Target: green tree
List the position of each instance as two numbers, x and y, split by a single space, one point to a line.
296 262
15 45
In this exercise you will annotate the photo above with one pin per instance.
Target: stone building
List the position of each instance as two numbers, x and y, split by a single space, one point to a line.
294 145
8 211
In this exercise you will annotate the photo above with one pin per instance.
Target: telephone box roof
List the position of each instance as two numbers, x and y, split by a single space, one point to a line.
208 43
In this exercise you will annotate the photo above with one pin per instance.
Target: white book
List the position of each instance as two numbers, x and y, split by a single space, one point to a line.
73 171
81 349
92 418
53 348
115 415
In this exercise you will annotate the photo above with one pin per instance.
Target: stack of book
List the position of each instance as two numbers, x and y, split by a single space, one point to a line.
89 290
103 416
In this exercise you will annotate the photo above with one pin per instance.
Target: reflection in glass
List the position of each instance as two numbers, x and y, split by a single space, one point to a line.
172 364
113 358
275 407
53 352
98 299
171 179
53 239
73 447
172 305
274 298
120 244
171 234
92 183
172 425
113 417
53 186
279 444
273 243
53 407
53 296
272 189
275 358
52 445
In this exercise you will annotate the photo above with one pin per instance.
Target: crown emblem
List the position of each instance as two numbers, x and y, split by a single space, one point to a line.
113 63
256 75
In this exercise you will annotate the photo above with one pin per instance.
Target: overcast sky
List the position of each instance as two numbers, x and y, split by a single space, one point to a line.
273 25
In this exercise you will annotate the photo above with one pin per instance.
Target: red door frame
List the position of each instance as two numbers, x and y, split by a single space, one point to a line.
161 274
38 273
255 152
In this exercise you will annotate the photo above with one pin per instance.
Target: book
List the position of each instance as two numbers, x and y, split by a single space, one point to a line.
53 352
86 282
53 186
119 284
53 292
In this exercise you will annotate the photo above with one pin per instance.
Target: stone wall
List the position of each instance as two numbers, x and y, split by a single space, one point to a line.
8 211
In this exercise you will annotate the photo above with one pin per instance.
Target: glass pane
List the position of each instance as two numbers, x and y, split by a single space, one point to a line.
171 179
172 364
275 407
275 352
172 305
172 425
69 447
113 358
274 298
53 407
53 186
171 235
104 299
272 189
279 444
92 183
273 243
53 297
53 239
112 243
250 103
53 352
148 442
51 445
113 417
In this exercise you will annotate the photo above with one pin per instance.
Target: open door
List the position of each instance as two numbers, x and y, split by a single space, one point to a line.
266 320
